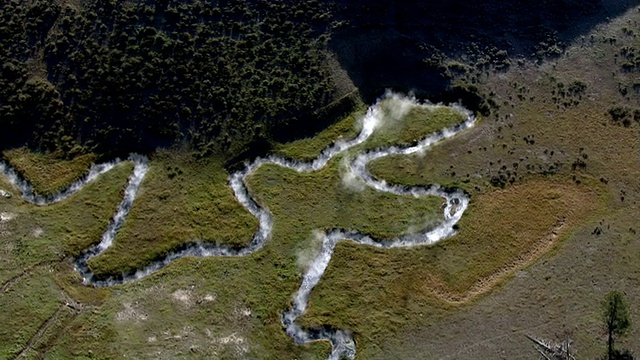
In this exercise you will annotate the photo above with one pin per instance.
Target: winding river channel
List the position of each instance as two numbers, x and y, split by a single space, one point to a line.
343 345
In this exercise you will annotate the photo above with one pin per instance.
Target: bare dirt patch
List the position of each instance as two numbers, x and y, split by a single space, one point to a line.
236 342
183 297
37 232
131 313
6 216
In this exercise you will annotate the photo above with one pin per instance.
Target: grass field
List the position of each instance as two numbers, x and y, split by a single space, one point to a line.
25 307
540 131
183 199
502 231
32 235
46 172
309 148
180 200
404 125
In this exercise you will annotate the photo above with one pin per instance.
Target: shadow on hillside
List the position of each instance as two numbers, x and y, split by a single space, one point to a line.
383 44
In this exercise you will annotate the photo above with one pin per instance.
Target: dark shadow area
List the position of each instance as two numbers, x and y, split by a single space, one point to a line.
311 123
228 78
400 44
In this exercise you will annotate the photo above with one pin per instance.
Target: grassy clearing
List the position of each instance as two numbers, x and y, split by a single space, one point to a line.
504 224
402 125
223 308
230 307
25 307
84 218
180 200
533 135
39 234
405 125
305 202
176 313
46 172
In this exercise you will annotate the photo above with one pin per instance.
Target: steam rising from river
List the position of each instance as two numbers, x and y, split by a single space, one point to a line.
314 263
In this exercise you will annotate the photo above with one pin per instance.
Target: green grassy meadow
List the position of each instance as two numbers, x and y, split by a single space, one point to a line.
194 307
180 200
36 235
46 172
25 307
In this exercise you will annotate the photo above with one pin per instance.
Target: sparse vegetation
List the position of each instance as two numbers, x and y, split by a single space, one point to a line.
631 59
620 115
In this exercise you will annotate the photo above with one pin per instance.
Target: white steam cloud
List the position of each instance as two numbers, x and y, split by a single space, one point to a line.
350 180
307 255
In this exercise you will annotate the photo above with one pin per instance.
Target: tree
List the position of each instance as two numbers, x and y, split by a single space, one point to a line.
616 316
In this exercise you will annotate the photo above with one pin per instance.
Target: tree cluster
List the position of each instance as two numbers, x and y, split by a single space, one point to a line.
135 75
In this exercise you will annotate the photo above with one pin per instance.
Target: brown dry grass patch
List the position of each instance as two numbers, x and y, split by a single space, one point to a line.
506 230
502 232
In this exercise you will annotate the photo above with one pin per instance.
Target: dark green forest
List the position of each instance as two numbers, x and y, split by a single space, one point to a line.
119 76
230 77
